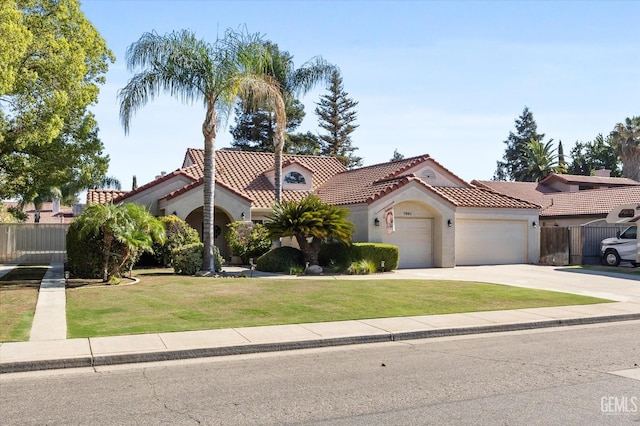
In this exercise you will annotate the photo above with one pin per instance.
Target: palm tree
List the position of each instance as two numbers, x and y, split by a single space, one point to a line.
293 82
138 234
311 221
191 69
108 220
625 139
541 160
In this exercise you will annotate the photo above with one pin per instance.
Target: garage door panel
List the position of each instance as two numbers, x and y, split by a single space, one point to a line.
414 240
490 242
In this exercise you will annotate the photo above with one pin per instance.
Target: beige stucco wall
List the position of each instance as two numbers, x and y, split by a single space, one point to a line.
149 197
419 201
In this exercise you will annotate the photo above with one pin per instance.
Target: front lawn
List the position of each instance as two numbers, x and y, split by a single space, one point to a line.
18 298
163 302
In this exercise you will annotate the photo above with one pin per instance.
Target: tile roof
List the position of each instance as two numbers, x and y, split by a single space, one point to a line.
483 198
102 196
528 191
243 172
589 180
192 173
367 184
590 202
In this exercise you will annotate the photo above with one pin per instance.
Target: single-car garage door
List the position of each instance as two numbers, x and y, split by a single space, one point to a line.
491 242
414 238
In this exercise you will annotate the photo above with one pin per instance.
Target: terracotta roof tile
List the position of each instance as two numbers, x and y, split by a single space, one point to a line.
190 172
483 198
102 196
528 191
243 173
590 202
589 180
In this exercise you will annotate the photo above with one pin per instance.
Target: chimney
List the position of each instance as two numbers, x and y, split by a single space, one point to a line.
603 173
56 205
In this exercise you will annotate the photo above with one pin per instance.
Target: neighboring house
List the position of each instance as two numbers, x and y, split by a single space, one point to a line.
50 212
433 216
569 200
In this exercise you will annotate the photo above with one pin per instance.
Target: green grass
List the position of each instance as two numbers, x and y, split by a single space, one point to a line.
18 298
17 306
165 302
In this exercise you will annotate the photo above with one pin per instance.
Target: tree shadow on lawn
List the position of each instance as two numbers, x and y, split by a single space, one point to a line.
23 277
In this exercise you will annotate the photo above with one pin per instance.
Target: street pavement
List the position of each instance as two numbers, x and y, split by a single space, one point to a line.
48 348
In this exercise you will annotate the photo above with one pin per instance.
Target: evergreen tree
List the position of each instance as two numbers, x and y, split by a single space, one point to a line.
134 183
337 115
562 164
396 156
598 154
515 163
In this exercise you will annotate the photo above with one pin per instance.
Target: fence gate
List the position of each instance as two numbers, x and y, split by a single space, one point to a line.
554 245
33 243
591 238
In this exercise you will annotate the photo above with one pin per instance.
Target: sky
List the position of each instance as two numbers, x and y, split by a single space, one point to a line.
446 78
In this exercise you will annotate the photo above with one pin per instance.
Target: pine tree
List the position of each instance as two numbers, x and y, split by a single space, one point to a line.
337 114
562 164
134 183
396 155
515 163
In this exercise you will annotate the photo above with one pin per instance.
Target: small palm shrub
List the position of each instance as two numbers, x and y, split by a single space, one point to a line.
362 267
281 259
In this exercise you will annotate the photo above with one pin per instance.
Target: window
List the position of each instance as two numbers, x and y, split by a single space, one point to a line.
626 213
630 233
294 177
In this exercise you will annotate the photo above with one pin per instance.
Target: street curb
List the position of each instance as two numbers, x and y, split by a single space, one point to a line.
172 355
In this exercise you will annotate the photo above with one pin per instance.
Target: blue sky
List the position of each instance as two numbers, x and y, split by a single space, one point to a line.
443 78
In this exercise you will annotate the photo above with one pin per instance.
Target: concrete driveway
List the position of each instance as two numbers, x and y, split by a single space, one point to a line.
620 287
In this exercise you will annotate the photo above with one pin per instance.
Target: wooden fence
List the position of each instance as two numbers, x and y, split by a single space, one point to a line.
574 245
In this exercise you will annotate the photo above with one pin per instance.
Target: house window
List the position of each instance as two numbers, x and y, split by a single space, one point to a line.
294 177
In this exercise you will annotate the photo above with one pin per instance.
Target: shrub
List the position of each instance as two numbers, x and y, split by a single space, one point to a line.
362 267
84 258
376 252
248 239
335 255
281 259
178 233
187 259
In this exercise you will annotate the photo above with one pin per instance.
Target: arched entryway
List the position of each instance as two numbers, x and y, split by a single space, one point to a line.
221 220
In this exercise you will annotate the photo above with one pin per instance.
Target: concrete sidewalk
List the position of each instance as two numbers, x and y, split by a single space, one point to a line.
53 351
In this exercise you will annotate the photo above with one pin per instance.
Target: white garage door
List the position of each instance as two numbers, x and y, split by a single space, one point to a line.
414 238
491 242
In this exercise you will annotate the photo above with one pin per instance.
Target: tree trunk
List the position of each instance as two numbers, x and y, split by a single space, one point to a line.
278 142
108 238
209 132
631 162
309 250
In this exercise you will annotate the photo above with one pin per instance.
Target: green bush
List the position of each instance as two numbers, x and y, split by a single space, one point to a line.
346 258
281 259
178 233
187 259
248 239
362 267
376 252
335 255
83 254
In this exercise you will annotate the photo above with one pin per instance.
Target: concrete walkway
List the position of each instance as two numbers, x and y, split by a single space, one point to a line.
50 318
49 353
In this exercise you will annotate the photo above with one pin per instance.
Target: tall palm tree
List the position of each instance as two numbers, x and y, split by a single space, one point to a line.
293 82
191 69
541 160
625 139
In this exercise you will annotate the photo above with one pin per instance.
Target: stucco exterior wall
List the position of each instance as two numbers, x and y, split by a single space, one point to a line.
149 197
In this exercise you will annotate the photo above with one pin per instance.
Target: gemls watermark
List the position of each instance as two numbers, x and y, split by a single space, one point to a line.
619 404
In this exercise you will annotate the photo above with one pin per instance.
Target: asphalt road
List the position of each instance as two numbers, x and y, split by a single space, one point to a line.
550 376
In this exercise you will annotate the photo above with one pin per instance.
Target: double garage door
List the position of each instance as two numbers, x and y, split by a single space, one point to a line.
491 242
